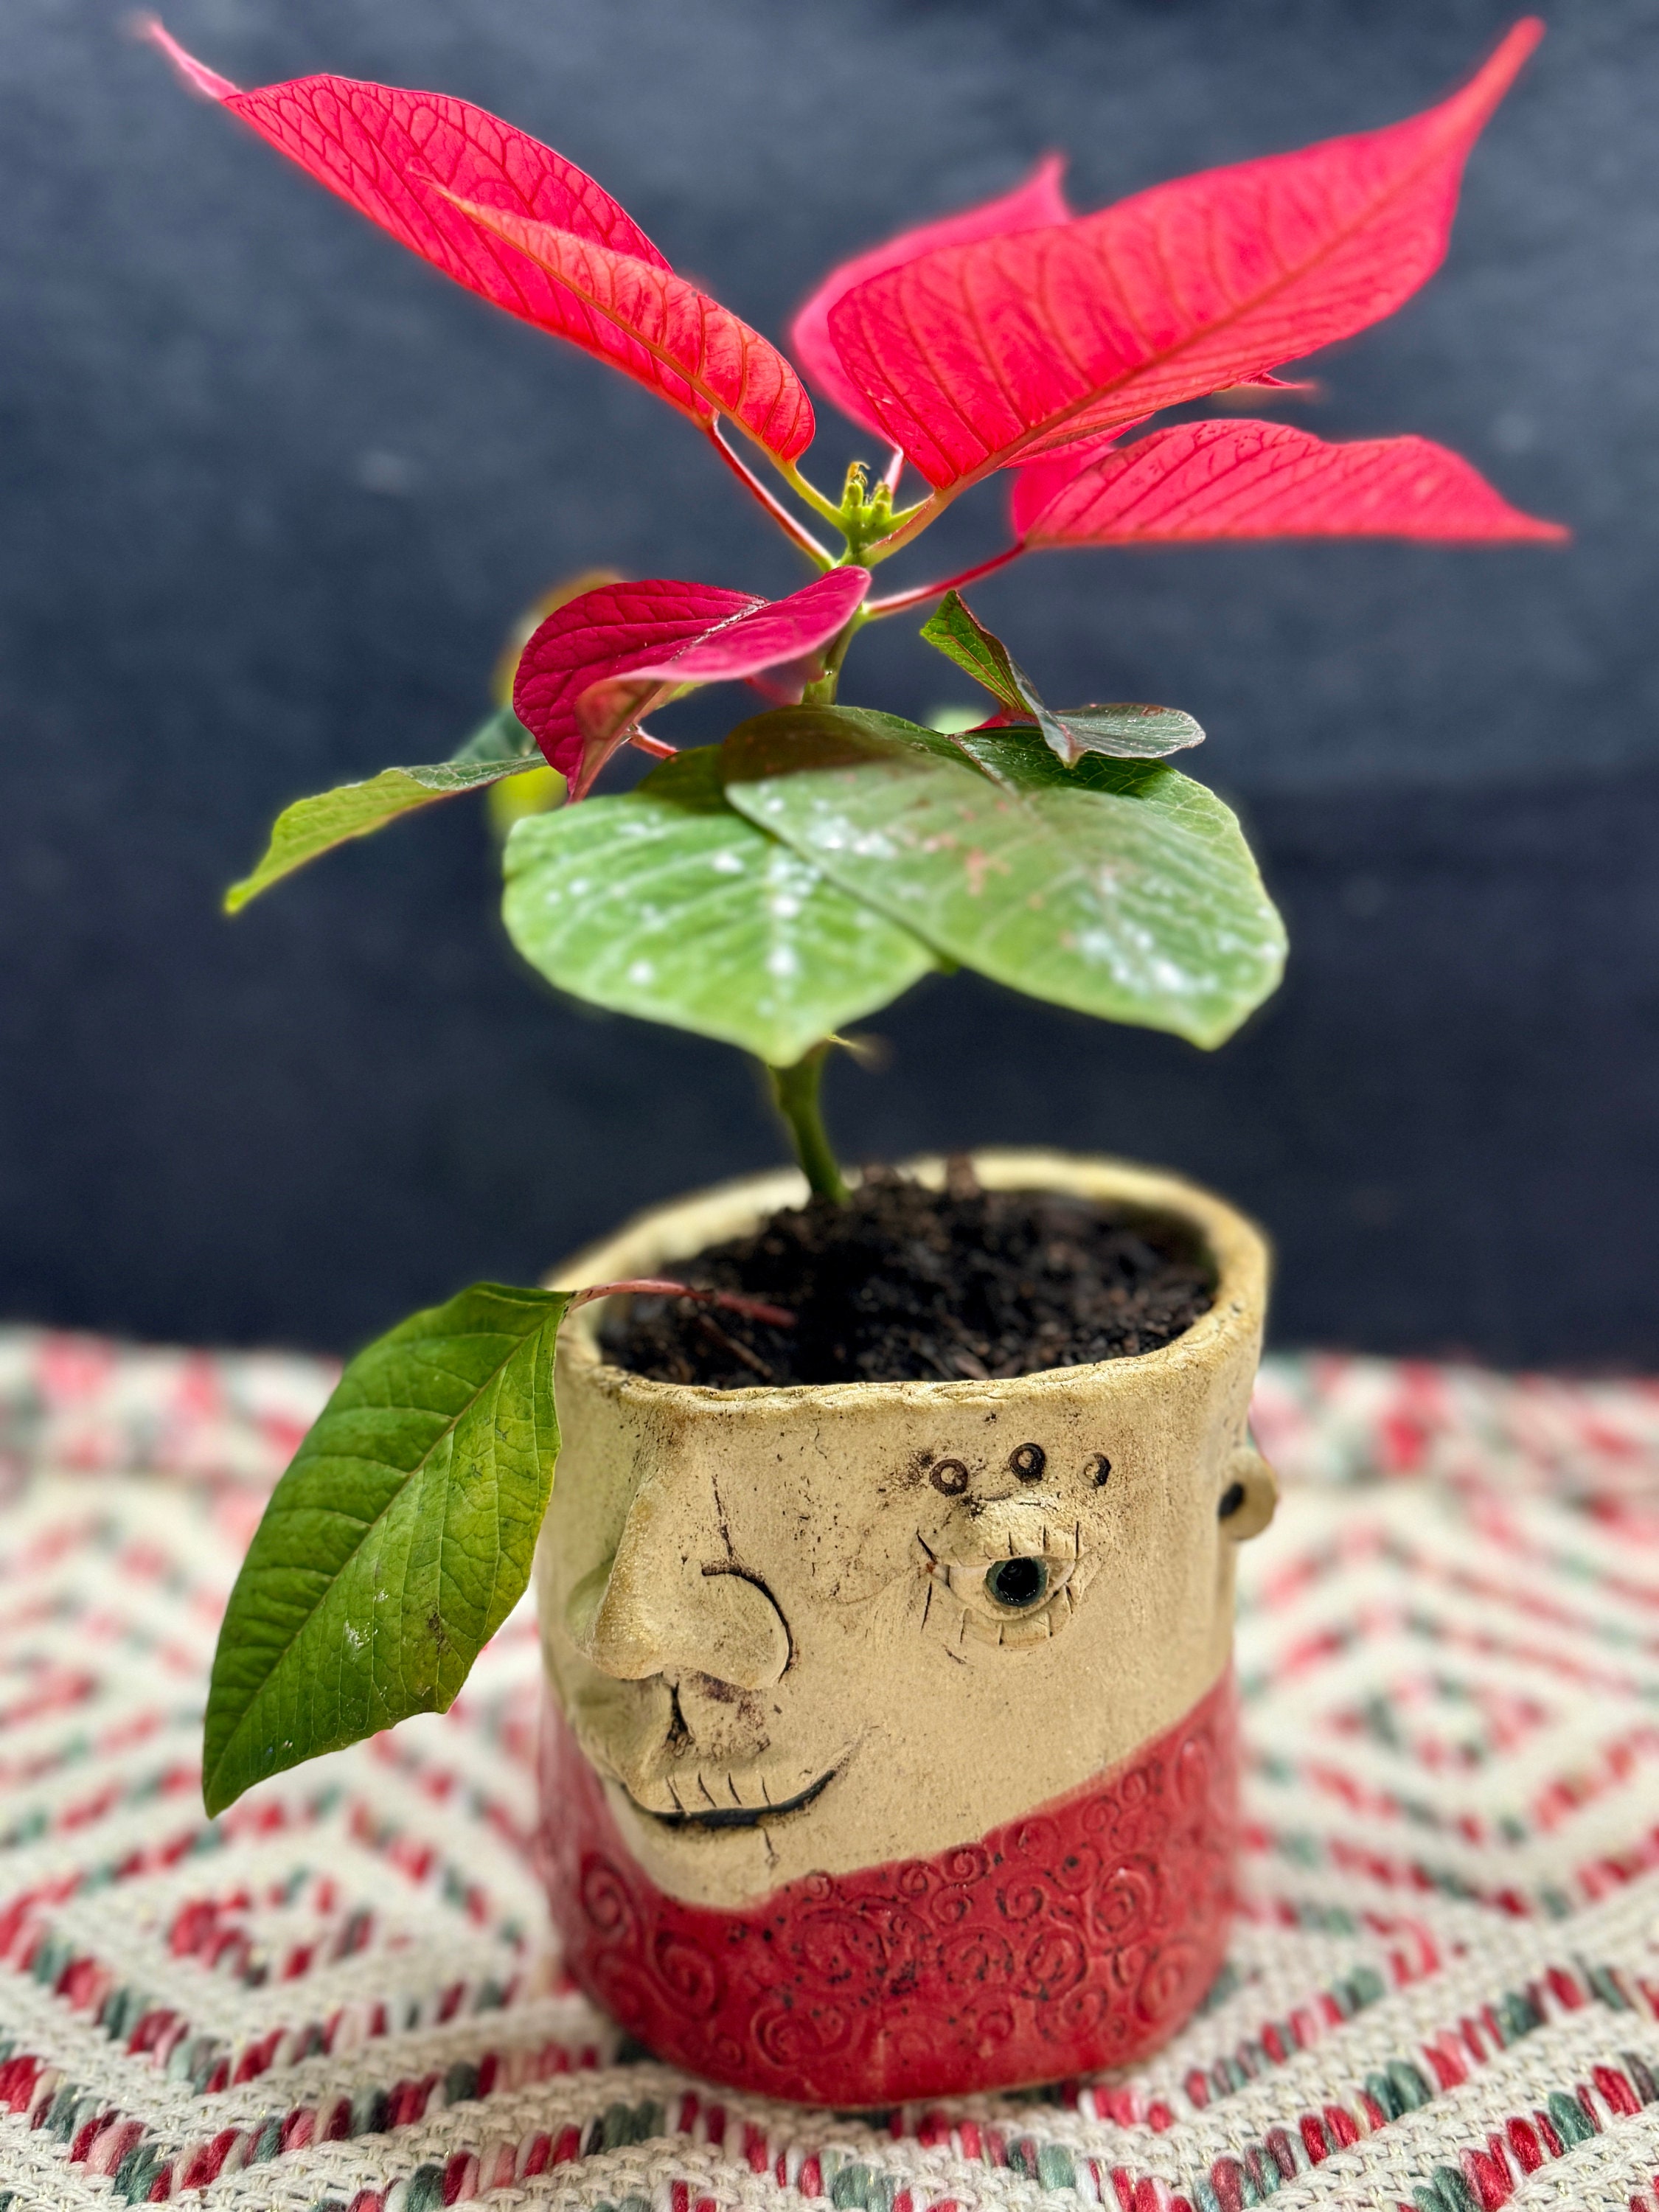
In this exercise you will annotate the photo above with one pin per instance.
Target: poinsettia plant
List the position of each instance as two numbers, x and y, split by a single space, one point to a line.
770 890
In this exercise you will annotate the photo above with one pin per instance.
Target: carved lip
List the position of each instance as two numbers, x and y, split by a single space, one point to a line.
736 1816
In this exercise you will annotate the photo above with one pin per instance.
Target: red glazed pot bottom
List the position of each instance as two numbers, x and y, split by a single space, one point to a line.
1079 1937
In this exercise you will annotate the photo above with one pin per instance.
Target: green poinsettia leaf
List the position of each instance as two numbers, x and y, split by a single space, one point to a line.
669 904
502 738
962 637
1120 888
397 1543
501 746
1123 731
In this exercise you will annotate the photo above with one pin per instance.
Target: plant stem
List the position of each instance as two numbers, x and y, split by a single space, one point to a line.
821 691
795 1095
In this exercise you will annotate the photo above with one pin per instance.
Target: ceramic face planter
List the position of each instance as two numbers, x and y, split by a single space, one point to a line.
891 1749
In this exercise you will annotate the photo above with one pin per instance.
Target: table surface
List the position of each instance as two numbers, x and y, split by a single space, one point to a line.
1443 1993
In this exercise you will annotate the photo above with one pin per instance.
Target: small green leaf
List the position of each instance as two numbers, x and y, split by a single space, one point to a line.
960 637
397 1543
500 747
503 738
668 905
1120 888
1124 731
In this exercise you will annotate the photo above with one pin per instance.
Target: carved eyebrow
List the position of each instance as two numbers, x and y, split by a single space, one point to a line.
1018 1547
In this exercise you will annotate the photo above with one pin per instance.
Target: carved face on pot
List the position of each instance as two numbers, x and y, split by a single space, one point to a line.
819 1629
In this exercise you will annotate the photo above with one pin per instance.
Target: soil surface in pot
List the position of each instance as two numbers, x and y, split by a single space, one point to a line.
904 1283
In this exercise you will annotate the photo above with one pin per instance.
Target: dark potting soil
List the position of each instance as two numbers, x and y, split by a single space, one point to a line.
904 1283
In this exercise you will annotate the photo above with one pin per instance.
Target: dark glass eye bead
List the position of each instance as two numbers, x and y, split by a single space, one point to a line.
1017 1583
1027 1461
1231 1498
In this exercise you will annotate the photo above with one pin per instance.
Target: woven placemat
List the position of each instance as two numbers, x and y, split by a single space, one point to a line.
1444 1992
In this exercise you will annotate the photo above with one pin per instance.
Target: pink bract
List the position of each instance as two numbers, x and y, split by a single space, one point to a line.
1029 206
1245 479
600 663
704 360
1009 335
446 178
977 356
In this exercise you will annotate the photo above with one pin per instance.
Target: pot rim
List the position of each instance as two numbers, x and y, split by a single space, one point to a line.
1237 1247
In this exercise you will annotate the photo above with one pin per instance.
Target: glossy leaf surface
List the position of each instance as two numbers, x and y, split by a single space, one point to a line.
409 160
1124 731
1245 479
1038 201
978 355
698 355
599 664
1122 889
501 747
670 905
398 1541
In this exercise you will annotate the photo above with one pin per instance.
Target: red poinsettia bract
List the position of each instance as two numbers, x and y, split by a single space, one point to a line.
600 663
433 171
1243 479
981 355
1014 335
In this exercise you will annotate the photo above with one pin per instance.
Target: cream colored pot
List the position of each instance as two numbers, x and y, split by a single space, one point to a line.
813 1649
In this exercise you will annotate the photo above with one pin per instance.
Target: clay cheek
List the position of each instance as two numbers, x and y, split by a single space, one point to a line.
860 1554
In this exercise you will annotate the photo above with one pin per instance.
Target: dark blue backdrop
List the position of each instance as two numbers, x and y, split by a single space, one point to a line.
272 489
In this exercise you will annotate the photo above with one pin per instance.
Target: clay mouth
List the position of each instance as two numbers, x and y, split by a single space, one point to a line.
739 1816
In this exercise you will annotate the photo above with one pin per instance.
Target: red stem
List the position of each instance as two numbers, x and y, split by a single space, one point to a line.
645 743
797 533
659 1287
874 608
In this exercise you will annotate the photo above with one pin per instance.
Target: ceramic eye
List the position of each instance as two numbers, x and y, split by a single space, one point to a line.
1019 1584
1027 1461
1014 1600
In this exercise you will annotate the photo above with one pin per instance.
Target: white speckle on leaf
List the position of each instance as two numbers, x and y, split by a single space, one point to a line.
642 971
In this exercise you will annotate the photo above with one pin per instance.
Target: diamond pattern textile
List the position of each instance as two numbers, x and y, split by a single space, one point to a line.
1443 1993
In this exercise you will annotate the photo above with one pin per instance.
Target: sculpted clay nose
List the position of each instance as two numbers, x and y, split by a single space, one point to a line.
673 1600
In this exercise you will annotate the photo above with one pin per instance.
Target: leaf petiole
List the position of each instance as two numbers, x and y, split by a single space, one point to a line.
796 533
661 1286
874 609
805 489
909 523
